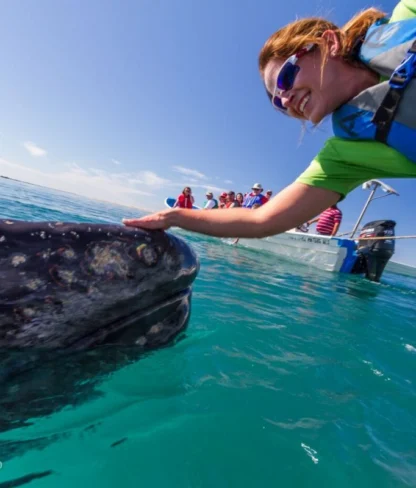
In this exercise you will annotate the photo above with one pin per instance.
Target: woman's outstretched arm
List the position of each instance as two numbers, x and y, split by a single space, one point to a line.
293 206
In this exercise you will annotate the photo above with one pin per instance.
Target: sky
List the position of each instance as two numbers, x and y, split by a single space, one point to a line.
131 100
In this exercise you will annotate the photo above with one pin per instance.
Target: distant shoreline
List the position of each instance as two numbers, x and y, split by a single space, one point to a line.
77 194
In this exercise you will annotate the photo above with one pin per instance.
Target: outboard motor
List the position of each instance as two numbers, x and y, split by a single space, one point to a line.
373 255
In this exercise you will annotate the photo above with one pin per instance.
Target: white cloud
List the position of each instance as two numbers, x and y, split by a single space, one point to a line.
208 187
75 168
123 188
152 179
228 182
189 172
34 150
114 161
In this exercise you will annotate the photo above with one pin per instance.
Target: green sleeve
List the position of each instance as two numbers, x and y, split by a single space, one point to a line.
342 165
406 9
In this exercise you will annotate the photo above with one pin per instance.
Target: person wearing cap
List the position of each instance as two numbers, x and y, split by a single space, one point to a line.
255 197
210 201
222 199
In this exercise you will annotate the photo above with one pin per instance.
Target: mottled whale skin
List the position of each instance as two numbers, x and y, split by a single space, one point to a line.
67 285
79 300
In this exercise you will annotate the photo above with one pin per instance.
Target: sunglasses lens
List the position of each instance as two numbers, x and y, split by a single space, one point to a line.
287 76
277 102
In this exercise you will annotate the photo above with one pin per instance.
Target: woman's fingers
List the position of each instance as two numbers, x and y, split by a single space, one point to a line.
153 222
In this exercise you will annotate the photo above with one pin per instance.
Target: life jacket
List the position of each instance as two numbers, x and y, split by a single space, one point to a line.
215 203
250 200
385 112
184 202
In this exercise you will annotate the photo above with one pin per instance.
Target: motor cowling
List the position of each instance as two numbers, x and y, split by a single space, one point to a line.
374 254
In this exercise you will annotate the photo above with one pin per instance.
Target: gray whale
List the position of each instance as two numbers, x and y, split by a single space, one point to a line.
79 300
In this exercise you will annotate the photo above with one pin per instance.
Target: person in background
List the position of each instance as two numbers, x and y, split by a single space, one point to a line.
185 199
210 201
240 199
329 221
255 196
269 194
231 200
223 200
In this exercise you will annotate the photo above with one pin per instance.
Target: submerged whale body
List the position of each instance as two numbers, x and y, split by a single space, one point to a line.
78 301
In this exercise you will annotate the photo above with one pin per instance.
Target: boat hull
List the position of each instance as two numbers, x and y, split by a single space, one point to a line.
327 253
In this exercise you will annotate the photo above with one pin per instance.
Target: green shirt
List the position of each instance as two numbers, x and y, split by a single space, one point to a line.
342 164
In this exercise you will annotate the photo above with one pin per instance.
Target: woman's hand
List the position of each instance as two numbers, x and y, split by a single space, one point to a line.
157 221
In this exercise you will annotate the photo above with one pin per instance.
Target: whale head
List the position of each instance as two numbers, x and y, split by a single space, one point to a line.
77 286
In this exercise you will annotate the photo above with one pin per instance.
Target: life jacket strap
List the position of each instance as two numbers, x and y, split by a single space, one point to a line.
400 78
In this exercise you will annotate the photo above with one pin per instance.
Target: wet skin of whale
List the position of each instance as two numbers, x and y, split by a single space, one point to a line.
78 301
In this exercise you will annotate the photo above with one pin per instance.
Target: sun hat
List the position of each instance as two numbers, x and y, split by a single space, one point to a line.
257 186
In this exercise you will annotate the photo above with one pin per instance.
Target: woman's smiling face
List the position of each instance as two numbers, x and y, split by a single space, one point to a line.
315 93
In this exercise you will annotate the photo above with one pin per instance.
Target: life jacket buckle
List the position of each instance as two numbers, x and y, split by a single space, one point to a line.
398 81
405 71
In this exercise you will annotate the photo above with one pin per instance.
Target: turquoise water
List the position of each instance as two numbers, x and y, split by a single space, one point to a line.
287 377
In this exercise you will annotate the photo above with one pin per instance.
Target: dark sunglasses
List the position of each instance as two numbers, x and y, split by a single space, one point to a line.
287 76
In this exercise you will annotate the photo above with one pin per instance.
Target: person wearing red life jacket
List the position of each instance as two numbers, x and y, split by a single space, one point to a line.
185 199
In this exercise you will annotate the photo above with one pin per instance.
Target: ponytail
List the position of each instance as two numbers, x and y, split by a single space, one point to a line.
291 38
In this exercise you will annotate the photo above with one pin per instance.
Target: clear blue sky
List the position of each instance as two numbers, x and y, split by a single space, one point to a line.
129 101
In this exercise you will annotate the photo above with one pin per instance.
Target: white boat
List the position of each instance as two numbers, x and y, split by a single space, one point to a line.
338 254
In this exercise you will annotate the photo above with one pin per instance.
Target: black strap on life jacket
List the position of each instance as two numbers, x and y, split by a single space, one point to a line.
401 76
